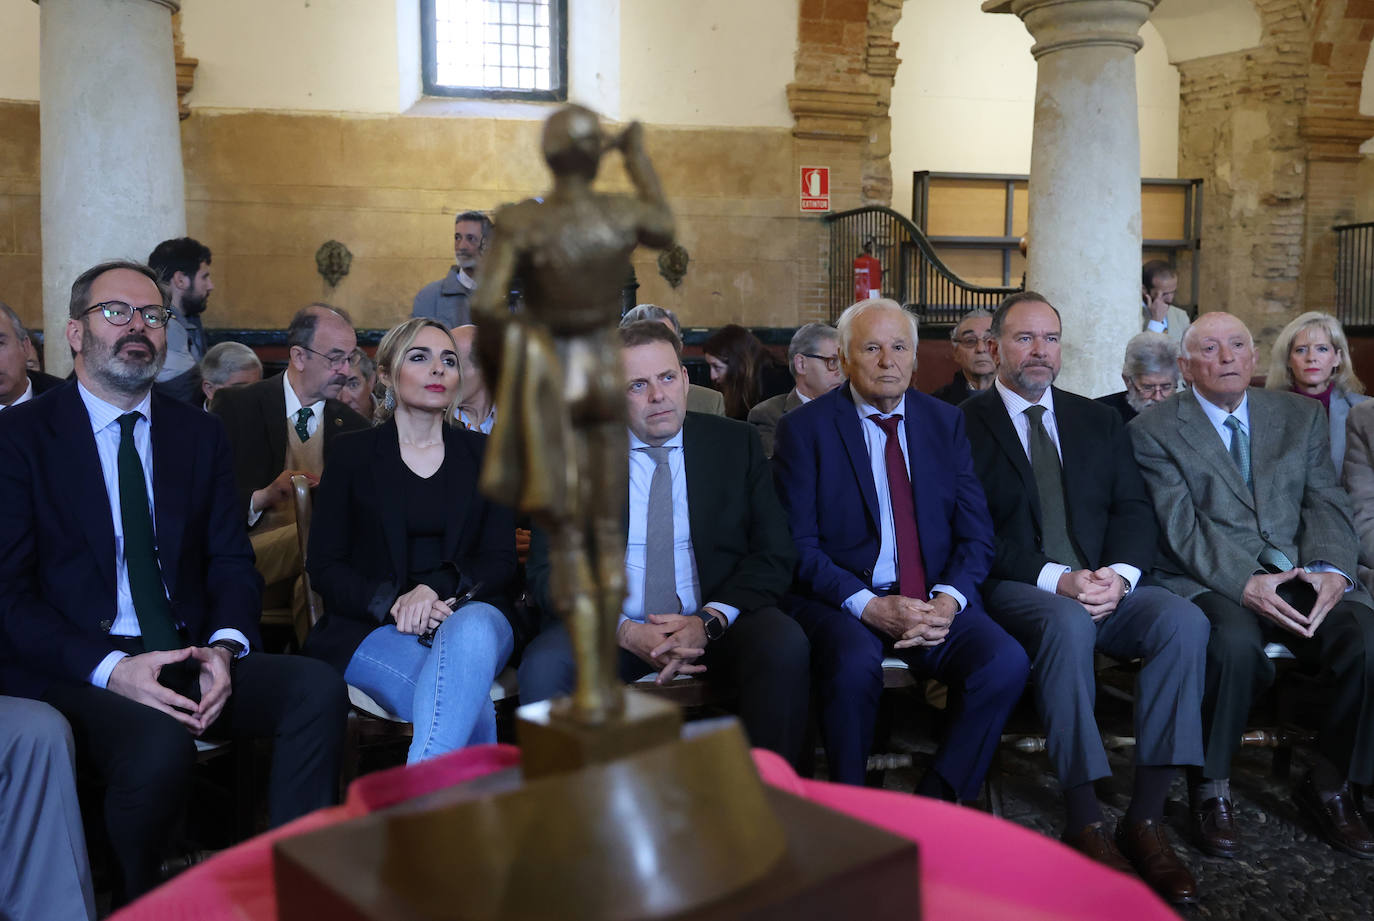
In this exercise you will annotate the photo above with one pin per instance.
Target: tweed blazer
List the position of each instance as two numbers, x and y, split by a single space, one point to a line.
1212 526
765 415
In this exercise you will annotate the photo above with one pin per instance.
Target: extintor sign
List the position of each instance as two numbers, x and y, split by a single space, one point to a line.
815 188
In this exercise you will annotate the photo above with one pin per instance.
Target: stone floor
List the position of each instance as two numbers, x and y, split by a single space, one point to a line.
1285 873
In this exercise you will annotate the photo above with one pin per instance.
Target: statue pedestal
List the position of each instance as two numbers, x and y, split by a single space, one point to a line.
684 830
552 740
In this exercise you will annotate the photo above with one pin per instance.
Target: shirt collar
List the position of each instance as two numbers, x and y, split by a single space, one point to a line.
23 397
674 442
1017 404
866 409
104 414
293 402
1217 416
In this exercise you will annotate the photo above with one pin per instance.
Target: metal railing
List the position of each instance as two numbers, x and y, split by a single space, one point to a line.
911 272
1355 274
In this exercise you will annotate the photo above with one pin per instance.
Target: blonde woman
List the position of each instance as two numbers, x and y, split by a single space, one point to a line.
413 564
1312 357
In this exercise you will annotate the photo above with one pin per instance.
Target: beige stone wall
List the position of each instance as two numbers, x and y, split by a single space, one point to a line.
20 258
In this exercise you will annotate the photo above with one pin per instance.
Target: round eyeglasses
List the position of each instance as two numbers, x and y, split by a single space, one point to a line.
118 313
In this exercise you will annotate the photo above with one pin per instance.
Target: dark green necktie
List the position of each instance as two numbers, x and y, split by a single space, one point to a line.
1049 483
303 423
140 550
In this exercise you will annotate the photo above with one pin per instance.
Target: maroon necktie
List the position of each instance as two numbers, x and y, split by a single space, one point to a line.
911 572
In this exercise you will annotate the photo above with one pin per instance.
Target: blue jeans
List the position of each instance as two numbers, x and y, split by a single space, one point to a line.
445 691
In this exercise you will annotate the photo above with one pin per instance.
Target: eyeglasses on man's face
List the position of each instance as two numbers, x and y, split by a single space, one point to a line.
1165 389
335 359
118 313
971 340
832 362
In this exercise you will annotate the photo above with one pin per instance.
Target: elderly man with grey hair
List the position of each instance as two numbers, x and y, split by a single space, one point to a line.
1150 373
228 364
972 341
18 384
813 356
699 399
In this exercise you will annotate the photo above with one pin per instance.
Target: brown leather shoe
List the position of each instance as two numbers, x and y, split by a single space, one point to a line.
1147 848
1214 827
1336 816
1096 842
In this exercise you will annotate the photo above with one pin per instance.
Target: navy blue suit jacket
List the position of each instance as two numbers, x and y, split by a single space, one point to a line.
57 571
825 480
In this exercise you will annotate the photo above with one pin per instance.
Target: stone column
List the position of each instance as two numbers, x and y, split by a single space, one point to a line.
1084 222
112 182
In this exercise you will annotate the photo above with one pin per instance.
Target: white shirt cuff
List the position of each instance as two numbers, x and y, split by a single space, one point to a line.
1323 566
229 633
952 592
856 602
1049 577
1158 326
1128 572
100 675
253 514
730 612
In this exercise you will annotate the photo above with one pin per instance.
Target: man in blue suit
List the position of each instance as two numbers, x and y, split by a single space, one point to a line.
893 537
128 599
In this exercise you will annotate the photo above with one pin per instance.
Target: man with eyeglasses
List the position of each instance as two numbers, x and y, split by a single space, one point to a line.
813 357
286 425
128 599
1150 372
973 354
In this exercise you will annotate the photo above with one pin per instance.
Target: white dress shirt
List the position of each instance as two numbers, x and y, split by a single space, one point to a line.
105 426
486 425
23 397
1016 405
685 561
312 425
885 567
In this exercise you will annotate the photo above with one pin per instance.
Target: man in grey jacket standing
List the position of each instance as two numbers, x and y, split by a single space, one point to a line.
446 300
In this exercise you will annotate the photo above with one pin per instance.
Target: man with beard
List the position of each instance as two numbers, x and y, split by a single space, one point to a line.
1150 373
128 599
183 266
446 300
283 426
1075 534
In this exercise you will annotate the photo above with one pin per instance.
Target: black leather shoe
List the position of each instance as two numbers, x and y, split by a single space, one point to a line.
1147 848
1214 827
1096 842
1336 815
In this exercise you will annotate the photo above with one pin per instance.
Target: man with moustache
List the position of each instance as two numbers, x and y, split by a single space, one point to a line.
1257 533
446 300
183 267
1075 536
128 599
973 354
893 538
285 425
1150 372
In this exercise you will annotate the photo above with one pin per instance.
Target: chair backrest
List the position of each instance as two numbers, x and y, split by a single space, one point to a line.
300 488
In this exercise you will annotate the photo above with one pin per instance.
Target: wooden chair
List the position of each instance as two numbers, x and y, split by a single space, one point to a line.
369 723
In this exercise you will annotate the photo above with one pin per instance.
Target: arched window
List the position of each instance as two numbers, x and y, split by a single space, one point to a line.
495 49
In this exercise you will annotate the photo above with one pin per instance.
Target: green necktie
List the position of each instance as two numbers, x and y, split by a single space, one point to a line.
303 423
140 550
1240 449
1049 483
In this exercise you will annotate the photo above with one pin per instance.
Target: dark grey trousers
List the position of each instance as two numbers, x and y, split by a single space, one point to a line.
1168 632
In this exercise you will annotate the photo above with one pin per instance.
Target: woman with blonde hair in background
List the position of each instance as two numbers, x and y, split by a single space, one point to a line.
413 564
1312 357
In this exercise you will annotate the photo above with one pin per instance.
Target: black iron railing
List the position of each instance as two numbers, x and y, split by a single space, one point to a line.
1355 274
910 271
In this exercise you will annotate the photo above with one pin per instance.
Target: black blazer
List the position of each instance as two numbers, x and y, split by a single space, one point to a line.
1109 514
255 417
42 383
357 556
57 569
1117 401
743 549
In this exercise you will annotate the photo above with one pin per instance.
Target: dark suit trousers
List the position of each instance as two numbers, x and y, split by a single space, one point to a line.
763 656
1341 654
984 668
143 757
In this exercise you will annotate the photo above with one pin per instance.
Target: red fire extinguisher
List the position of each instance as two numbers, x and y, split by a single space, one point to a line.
868 274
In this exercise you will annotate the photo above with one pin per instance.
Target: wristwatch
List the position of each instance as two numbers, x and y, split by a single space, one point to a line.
234 647
715 626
